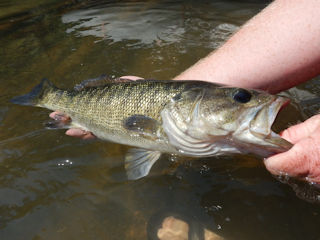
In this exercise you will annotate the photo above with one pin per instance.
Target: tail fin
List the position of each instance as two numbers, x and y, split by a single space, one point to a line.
35 95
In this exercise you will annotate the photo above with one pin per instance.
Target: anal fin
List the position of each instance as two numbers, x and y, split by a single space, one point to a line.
138 162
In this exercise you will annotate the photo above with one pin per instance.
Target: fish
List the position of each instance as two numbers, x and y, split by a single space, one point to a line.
188 118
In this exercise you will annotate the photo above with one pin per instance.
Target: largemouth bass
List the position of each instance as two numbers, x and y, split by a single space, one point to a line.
192 118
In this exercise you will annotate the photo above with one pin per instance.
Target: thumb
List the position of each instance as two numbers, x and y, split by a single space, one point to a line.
302 130
302 160
132 78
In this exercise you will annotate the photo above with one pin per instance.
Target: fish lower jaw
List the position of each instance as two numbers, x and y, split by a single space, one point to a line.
263 145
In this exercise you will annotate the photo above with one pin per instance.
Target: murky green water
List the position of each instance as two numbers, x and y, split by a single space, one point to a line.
57 187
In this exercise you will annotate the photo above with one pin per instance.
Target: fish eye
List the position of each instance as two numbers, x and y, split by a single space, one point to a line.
242 96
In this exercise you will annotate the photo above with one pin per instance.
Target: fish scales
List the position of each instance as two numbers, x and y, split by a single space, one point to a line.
103 110
191 118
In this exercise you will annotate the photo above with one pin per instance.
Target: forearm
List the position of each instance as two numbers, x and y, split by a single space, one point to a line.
275 50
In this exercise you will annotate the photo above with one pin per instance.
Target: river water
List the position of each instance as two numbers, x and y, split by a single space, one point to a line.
56 187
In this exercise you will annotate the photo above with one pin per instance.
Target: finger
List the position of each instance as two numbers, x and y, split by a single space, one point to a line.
80 133
302 130
132 78
60 117
302 160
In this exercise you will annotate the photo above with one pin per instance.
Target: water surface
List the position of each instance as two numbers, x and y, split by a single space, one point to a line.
57 187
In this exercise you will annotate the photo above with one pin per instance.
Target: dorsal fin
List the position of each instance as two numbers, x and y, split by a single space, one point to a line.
99 81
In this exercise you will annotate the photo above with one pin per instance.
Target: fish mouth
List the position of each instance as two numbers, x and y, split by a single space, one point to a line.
275 108
263 121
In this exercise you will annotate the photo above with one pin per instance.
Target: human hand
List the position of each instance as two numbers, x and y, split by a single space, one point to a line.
303 159
78 132
74 132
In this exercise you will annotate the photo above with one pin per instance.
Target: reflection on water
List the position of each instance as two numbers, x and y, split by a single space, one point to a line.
162 24
56 187
127 22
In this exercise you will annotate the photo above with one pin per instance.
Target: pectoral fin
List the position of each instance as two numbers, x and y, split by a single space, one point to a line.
143 125
138 162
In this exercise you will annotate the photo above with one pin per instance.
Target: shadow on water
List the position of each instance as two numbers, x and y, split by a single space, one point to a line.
56 187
